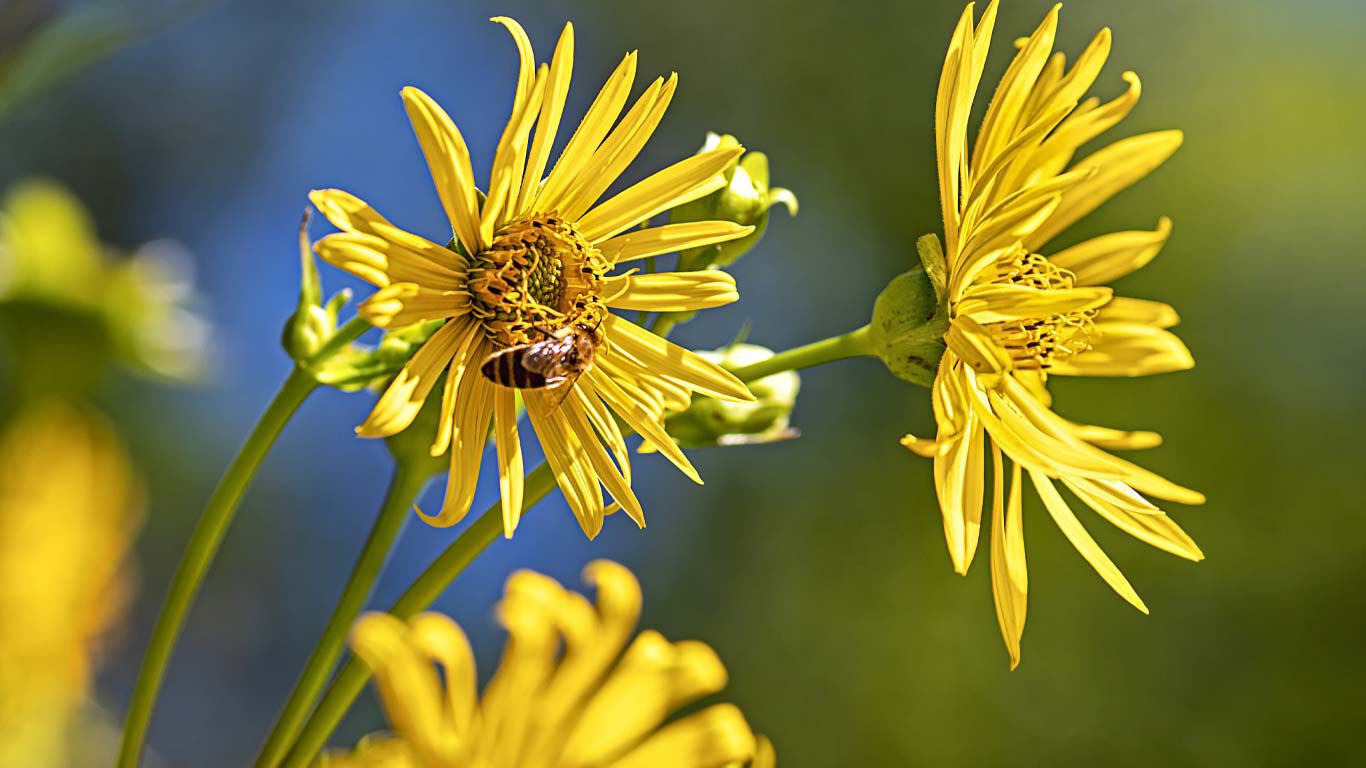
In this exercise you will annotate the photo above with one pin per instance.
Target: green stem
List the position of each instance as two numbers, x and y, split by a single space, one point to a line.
351 680
199 553
440 574
856 343
408 480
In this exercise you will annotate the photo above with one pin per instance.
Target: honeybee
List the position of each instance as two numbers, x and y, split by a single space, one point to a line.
553 362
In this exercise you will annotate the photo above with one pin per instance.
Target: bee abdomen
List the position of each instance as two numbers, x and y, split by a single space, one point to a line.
506 369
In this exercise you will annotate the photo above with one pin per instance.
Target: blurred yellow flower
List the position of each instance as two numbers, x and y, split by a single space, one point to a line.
51 255
529 265
69 507
1016 316
564 695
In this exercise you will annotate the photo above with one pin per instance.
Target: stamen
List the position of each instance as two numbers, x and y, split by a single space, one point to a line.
539 274
1036 343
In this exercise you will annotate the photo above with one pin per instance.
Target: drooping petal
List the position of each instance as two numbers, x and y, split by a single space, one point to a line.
568 459
509 448
716 736
663 358
399 404
1008 586
640 418
469 434
1082 541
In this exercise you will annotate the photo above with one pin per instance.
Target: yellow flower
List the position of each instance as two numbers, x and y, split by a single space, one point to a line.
1016 316
69 507
533 260
565 693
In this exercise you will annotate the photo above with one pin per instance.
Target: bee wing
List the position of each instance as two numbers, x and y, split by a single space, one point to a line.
543 356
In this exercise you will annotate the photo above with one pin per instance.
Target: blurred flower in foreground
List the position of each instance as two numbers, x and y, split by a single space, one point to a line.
57 279
565 693
710 422
1015 316
69 508
526 277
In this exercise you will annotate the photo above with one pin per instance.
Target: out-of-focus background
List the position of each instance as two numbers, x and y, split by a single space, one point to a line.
817 566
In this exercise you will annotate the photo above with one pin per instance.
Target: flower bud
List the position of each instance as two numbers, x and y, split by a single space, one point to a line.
710 422
910 318
745 200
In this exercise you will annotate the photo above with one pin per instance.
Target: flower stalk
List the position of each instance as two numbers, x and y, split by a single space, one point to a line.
209 532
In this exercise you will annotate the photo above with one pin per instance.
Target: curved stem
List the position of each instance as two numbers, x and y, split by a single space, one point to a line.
199 553
853 344
408 481
351 680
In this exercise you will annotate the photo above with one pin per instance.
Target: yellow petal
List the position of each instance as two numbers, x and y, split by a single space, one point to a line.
662 358
469 434
1109 257
1082 541
402 304
1003 116
643 420
467 350
438 638
1008 592
449 161
1116 439
1124 310
638 244
620 148
680 183
953 105
381 262
959 482
509 449
399 404
998 303
1154 528
505 177
1116 168
568 460
975 346
608 473
716 736
602 113
1127 349
548 123
673 291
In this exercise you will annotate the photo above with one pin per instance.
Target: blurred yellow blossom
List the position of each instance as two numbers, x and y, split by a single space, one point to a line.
564 695
69 507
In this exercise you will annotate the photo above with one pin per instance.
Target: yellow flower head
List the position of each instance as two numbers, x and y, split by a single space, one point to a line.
565 693
69 507
1018 314
531 264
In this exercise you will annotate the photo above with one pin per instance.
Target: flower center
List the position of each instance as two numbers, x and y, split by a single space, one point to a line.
1035 343
539 274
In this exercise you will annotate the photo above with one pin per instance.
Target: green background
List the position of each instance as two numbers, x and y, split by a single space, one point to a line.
816 567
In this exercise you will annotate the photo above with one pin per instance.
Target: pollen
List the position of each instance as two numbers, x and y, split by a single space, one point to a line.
538 275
